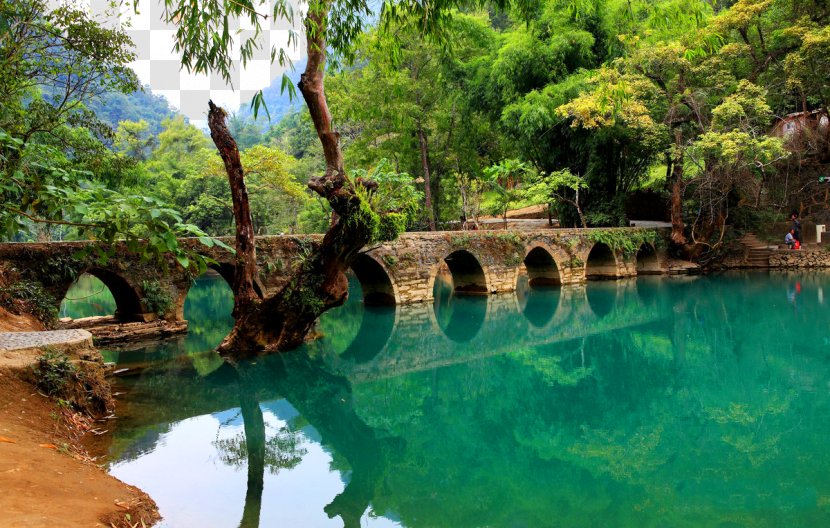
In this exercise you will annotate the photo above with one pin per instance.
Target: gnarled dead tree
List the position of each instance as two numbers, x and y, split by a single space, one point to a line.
281 322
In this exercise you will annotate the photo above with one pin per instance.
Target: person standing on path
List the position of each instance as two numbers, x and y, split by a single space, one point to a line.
796 227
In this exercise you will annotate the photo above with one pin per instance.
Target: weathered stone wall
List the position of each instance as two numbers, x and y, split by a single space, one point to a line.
803 258
413 261
403 271
812 256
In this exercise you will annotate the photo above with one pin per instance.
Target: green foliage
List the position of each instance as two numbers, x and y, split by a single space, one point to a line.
57 176
134 139
505 178
514 239
364 220
389 202
29 297
461 241
53 371
628 241
575 263
390 260
737 141
156 298
392 225
302 297
512 259
559 188
57 269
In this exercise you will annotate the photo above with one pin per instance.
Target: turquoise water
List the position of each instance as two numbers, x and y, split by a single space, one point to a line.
693 401
87 297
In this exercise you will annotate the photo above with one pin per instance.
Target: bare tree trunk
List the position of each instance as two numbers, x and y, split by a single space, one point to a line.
282 321
464 218
246 268
422 140
677 227
579 210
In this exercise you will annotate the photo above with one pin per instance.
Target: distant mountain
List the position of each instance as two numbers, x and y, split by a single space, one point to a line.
279 104
141 104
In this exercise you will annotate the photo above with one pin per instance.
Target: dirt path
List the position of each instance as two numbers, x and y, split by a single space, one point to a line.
46 479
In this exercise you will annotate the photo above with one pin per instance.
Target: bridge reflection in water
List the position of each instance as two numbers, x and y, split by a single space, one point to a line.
647 402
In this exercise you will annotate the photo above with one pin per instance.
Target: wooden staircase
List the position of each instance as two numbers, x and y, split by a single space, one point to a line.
757 251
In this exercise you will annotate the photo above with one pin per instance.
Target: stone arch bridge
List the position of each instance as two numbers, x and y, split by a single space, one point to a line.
400 272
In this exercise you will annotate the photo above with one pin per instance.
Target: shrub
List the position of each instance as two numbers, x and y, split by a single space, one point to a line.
78 385
53 371
29 297
156 298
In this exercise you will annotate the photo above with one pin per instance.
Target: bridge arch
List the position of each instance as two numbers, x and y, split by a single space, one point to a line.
601 262
225 270
128 305
646 260
468 275
542 267
375 280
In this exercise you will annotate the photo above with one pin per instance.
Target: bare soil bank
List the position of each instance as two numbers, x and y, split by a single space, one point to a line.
48 479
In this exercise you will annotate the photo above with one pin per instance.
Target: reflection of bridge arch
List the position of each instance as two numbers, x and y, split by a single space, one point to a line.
225 270
375 281
646 260
376 327
650 290
540 305
601 262
460 318
572 304
128 305
602 298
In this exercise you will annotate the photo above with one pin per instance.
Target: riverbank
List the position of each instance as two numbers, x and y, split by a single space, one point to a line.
49 478
772 257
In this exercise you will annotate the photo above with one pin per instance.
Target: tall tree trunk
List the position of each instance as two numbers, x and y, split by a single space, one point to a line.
246 268
677 227
422 140
281 322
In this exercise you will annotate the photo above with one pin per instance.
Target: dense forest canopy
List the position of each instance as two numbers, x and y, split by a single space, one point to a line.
672 98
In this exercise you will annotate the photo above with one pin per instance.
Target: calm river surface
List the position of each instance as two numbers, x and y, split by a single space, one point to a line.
693 401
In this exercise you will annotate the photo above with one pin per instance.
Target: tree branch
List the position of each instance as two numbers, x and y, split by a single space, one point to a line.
48 221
